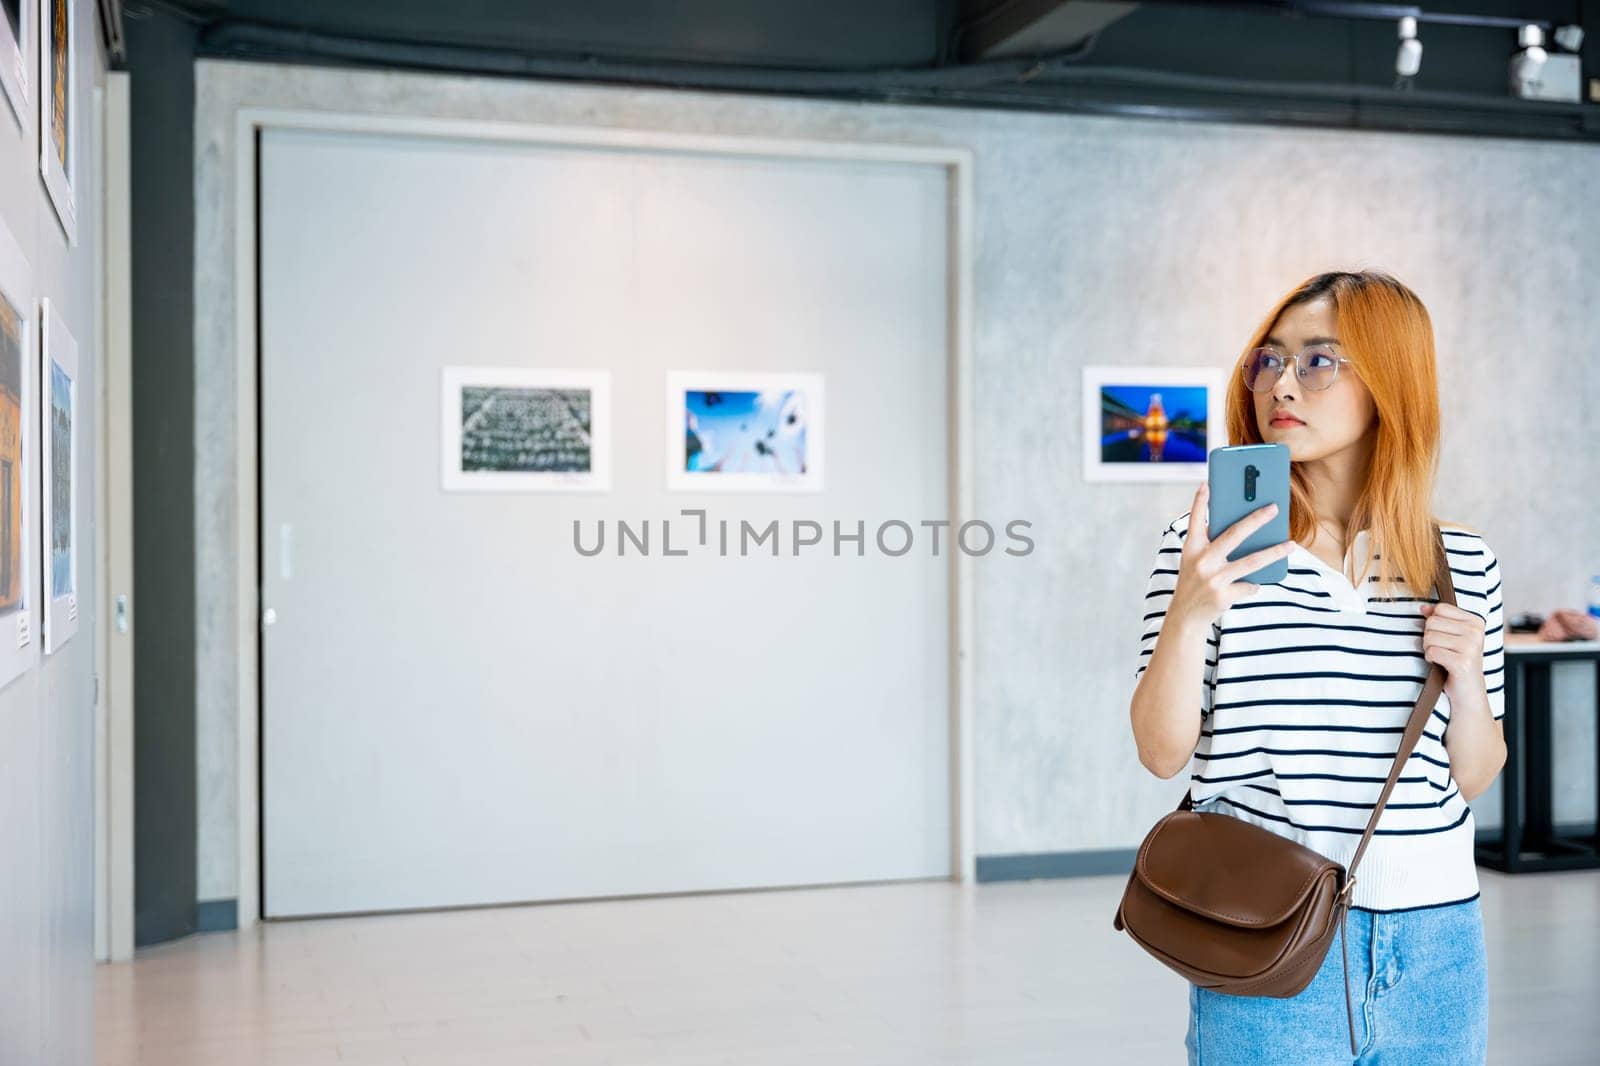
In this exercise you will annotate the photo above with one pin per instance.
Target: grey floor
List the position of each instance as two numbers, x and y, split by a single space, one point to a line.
926 973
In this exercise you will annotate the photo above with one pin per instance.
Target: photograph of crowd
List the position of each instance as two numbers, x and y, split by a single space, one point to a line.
523 429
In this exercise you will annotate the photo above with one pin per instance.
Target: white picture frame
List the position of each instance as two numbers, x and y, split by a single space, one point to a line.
1113 453
59 413
58 147
539 402
18 466
781 451
15 46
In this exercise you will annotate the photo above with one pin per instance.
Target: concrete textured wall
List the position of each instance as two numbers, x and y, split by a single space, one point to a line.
47 817
1098 240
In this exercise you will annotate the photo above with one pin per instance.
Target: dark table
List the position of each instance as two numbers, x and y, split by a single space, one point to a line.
1529 839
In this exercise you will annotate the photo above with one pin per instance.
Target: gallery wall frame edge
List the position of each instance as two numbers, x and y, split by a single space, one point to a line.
16 48
19 466
58 422
58 83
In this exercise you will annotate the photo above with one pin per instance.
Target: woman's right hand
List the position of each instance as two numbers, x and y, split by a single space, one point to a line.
1207 581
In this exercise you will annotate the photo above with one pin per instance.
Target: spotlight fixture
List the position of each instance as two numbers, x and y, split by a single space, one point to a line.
1570 38
1527 62
1409 59
1535 74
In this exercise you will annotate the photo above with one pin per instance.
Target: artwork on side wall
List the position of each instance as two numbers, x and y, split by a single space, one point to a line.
58 388
17 471
744 432
58 107
1149 423
525 429
16 26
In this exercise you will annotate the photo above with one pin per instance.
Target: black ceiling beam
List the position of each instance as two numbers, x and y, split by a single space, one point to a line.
1361 9
1035 83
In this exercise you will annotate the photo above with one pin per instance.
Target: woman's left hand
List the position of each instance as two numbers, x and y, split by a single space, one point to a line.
1453 637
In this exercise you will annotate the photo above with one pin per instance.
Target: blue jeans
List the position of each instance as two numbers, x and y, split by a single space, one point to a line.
1418 986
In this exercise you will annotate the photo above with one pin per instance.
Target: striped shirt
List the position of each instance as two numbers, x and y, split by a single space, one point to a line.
1308 685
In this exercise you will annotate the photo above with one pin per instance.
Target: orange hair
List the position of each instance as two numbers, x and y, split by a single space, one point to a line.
1385 331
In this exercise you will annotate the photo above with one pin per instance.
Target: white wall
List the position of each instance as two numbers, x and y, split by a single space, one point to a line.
47 715
1098 240
460 708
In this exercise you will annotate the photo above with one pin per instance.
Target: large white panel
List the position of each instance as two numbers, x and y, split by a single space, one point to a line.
458 708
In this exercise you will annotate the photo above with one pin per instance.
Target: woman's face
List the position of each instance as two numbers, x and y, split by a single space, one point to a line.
1313 424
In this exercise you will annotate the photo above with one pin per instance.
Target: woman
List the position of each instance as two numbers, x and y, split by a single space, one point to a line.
1305 686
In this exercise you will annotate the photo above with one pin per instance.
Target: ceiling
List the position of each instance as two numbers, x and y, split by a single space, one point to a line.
1311 62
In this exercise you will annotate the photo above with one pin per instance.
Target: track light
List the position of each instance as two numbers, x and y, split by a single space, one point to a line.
1569 38
1409 58
1535 74
1527 62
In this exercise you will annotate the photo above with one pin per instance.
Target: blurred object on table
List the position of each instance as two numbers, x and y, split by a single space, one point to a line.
1525 622
1565 623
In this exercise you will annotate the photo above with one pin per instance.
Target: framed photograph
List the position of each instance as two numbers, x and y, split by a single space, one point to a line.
16 29
744 432
58 110
524 429
18 328
58 388
1148 423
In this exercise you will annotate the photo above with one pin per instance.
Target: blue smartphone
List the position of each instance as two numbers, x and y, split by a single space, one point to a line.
1242 478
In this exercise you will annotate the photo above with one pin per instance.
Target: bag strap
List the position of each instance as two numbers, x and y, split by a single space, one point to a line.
1419 714
1431 688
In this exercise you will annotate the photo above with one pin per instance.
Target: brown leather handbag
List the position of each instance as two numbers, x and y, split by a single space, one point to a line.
1235 907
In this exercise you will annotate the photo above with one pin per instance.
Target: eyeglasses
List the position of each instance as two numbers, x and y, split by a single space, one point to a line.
1315 368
